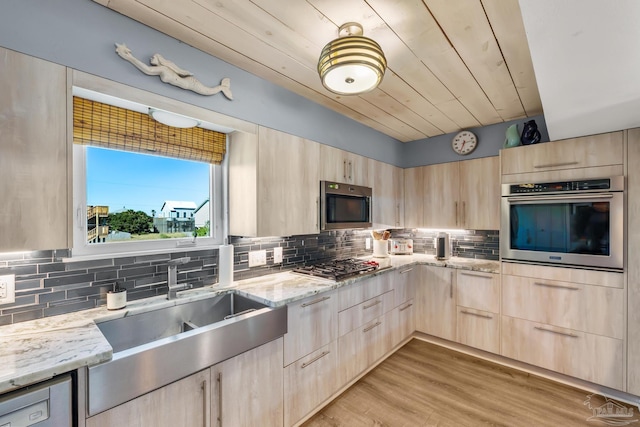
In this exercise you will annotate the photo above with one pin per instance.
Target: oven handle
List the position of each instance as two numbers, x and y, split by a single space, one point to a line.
560 198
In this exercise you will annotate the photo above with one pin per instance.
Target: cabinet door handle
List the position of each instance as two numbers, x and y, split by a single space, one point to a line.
486 316
405 307
344 169
555 165
406 271
456 207
464 213
476 275
371 327
451 286
565 334
219 379
315 359
552 285
350 170
373 304
205 402
315 301
318 214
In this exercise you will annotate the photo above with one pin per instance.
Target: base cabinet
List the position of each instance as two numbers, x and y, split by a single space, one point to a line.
247 390
479 329
360 348
183 403
591 357
310 381
436 303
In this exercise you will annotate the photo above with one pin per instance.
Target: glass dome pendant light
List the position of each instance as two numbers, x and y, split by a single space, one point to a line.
351 64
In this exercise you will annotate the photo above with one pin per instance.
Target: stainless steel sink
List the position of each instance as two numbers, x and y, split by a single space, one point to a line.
158 347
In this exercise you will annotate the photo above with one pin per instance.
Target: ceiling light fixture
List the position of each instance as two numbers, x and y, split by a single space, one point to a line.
172 119
351 64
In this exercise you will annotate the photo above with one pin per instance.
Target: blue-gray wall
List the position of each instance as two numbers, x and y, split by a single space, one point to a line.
81 34
438 148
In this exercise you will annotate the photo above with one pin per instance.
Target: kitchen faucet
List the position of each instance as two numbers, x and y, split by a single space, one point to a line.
172 277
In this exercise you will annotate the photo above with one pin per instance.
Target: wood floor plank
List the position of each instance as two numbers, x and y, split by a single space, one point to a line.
423 384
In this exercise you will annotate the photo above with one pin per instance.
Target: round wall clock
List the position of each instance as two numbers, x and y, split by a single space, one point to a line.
464 142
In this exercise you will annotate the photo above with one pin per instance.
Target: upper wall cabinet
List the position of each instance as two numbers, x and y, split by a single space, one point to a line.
273 184
388 194
463 194
341 166
594 156
34 159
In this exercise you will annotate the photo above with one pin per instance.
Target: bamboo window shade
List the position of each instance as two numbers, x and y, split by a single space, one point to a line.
107 126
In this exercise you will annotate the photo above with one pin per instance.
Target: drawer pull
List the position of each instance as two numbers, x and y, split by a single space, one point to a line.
476 275
485 316
373 304
551 285
315 359
371 327
566 334
406 271
555 165
405 307
307 304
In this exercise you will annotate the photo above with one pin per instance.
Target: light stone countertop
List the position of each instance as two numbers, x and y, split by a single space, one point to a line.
40 349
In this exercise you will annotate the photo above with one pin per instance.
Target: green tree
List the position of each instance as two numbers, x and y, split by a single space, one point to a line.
203 231
130 221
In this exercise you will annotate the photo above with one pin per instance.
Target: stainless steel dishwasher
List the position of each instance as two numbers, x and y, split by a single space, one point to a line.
46 404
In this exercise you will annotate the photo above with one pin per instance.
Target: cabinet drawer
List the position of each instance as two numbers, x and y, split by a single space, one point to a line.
404 283
587 356
593 309
564 274
360 348
310 381
479 329
585 152
363 290
479 290
364 312
312 323
400 324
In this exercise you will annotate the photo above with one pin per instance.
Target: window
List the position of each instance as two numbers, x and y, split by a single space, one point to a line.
129 199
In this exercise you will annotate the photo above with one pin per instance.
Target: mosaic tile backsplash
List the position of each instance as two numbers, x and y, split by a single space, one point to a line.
49 283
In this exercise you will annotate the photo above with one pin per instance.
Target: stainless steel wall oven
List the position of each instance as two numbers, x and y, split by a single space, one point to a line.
569 222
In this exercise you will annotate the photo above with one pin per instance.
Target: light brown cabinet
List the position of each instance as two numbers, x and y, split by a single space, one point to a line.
589 156
414 197
273 184
360 348
310 381
183 403
247 390
591 357
478 310
35 154
388 194
311 323
462 194
632 265
342 166
436 303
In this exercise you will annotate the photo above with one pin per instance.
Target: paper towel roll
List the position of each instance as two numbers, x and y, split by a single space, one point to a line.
225 265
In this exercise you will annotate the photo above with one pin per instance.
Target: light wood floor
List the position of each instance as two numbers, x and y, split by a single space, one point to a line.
423 384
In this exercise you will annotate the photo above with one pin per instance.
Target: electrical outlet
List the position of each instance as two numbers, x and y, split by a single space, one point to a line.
277 255
7 289
257 258
367 243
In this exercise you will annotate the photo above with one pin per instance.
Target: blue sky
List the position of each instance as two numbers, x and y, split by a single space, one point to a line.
143 182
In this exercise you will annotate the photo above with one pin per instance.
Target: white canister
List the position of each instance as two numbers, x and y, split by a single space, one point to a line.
117 299
381 248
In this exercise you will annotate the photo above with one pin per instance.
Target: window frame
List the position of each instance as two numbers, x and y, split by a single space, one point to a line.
81 248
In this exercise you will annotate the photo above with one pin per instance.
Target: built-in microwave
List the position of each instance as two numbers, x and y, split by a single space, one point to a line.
570 222
344 206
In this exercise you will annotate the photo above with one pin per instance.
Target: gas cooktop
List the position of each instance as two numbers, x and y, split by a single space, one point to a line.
339 269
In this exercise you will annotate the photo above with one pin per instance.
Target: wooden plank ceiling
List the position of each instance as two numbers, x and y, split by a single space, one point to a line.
452 64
